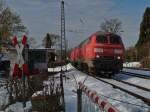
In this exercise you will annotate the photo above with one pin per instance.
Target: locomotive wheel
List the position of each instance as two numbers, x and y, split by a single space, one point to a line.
92 71
75 64
81 66
110 75
85 68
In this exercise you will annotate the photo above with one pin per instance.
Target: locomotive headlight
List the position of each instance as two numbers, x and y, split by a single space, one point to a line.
118 57
118 51
98 50
97 56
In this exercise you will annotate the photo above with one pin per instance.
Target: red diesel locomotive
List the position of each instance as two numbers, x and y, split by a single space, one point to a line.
100 53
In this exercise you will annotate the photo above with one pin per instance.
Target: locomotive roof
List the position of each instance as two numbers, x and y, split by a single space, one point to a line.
97 33
103 33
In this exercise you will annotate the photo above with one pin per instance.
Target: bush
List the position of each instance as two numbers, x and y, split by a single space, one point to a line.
146 62
36 83
48 103
131 54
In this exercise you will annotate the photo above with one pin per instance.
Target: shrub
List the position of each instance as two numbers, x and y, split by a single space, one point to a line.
146 62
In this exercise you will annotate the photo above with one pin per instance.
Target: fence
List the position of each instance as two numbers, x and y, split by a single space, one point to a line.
91 102
88 105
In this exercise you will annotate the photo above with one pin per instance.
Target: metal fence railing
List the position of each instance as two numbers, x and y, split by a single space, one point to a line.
88 105
91 102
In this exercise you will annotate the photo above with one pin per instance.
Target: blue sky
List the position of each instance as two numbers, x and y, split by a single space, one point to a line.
42 16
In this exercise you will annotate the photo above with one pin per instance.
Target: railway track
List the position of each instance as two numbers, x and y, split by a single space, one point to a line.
132 68
135 75
137 86
127 87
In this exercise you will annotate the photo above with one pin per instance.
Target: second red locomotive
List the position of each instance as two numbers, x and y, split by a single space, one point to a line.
102 52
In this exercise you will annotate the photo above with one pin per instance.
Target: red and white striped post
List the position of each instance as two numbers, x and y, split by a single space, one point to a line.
20 68
20 65
103 104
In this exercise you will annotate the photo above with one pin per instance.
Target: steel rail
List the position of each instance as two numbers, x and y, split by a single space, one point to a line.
140 87
146 100
135 75
133 68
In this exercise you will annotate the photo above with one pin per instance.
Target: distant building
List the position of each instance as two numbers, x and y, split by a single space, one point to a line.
4 65
39 58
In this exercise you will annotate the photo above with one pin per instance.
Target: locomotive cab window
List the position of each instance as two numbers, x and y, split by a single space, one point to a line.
115 39
101 39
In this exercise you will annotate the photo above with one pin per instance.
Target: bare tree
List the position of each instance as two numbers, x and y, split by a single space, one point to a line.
32 42
112 25
50 40
10 24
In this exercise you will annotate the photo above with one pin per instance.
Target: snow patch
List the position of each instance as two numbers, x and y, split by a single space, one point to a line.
132 64
123 101
18 107
58 69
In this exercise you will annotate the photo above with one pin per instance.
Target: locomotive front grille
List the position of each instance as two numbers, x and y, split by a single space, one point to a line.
106 63
107 57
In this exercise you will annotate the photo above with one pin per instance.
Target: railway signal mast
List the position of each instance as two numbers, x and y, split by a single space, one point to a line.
63 33
63 50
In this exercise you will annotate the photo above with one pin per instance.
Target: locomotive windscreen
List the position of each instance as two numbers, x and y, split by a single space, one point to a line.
101 39
114 39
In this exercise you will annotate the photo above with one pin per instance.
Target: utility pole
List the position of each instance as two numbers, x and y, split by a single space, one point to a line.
26 51
63 33
79 100
63 42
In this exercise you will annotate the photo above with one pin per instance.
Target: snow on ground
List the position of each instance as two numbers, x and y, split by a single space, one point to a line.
134 80
103 90
18 107
135 65
137 71
3 96
133 89
132 64
5 56
58 69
